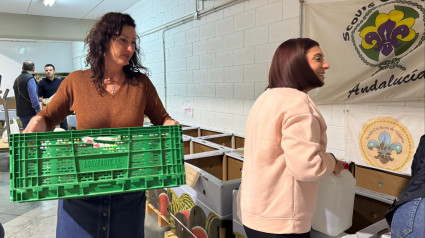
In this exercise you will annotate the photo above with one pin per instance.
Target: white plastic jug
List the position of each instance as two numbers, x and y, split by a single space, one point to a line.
335 203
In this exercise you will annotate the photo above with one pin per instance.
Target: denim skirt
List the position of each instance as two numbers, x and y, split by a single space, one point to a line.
108 216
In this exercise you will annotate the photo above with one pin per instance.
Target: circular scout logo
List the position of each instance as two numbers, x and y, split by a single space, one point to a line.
388 32
386 143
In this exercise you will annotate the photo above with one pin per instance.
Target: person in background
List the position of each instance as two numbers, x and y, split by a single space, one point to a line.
285 143
48 86
115 92
1 226
25 88
1 231
406 216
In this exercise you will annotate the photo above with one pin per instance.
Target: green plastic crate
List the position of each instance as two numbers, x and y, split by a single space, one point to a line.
58 165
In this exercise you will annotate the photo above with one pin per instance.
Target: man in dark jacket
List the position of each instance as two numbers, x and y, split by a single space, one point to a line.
25 87
406 215
48 86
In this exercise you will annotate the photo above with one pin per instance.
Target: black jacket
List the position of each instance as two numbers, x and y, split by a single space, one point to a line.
23 102
416 187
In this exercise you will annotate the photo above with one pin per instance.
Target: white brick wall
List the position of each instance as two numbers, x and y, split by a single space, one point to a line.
224 26
193 62
200 75
244 90
215 44
224 90
224 120
283 30
192 35
234 106
244 20
233 74
200 47
257 35
291 9
233 40
220 62
193 90
215 75
224 58
207 31
255 72
207 89
244 56
207 60
269 13
186 77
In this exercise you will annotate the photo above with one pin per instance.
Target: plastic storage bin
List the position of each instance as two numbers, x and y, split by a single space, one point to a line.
58 165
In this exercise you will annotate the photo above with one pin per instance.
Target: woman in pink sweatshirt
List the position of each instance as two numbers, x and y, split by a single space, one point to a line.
285 143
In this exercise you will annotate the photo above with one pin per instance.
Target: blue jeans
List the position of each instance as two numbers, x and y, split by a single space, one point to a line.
25 121
408 220
1 231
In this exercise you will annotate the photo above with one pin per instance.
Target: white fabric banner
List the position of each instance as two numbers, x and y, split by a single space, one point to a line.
381 141
375 49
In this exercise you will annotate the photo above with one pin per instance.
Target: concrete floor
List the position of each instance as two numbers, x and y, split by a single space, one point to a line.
38 219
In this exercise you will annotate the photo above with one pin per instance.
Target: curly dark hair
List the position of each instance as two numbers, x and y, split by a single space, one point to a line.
107 28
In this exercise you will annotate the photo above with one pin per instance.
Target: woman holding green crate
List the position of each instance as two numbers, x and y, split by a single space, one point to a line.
115 92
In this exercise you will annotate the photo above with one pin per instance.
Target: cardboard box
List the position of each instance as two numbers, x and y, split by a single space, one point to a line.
225 139
239 142
206 208
196 131
220 173
190 131
367 211
200 146
220 139
186 144
380 181
205 132
11 103
378 229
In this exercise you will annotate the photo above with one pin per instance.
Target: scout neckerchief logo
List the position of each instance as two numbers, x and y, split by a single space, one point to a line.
388 31
386 143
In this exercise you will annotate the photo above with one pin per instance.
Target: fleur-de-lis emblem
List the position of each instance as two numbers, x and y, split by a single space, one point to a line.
389 33
384 147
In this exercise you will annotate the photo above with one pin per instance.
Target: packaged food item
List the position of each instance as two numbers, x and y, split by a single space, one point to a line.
101 141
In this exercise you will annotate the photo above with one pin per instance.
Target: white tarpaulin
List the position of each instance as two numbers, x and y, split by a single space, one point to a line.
381 141
375 49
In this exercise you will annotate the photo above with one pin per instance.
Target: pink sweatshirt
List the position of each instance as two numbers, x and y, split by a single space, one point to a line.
284 157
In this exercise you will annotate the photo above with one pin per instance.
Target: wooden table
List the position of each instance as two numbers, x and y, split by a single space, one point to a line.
4 146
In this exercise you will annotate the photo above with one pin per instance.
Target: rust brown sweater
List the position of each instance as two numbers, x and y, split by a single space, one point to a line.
125 108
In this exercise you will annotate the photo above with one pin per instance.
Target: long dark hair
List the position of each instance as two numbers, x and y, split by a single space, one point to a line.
107 28
290 68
